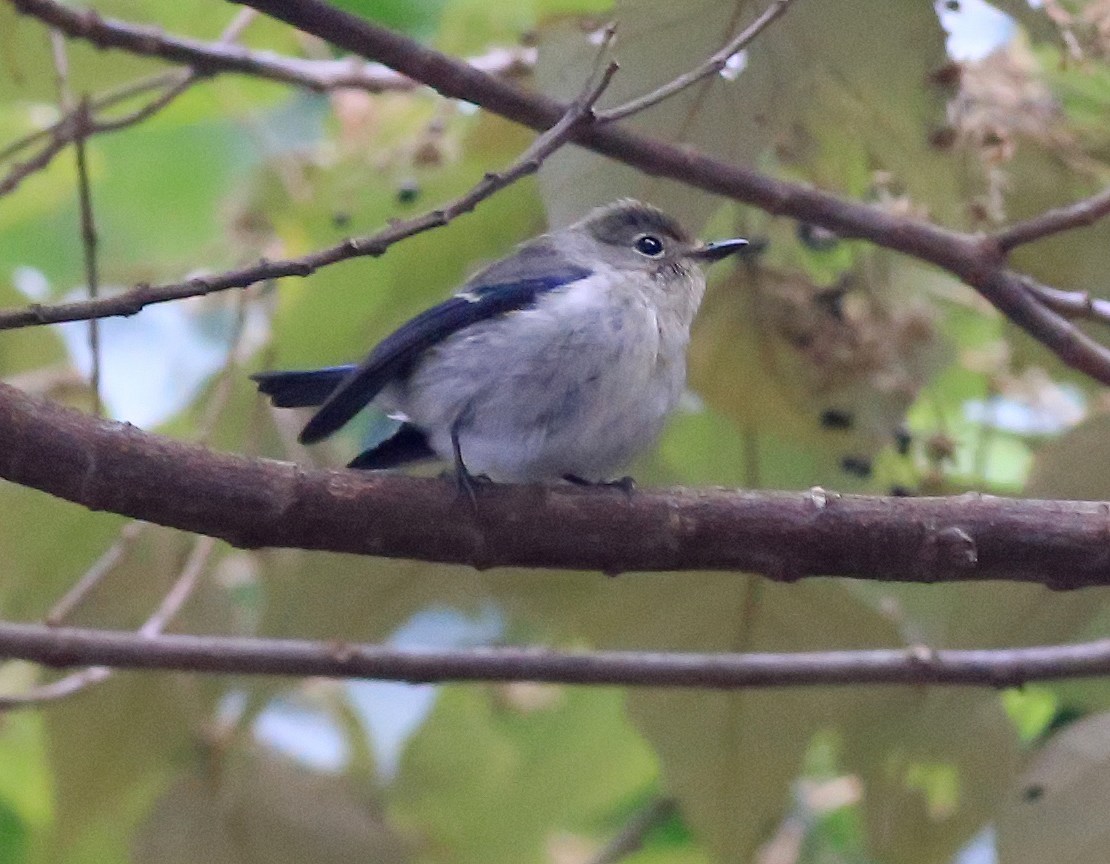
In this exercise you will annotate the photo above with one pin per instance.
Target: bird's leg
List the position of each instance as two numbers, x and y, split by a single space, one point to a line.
626 484
467 482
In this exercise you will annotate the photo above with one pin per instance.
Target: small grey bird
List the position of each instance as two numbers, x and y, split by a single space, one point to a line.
561 360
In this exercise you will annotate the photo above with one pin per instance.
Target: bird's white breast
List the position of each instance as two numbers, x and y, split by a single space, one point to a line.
577 385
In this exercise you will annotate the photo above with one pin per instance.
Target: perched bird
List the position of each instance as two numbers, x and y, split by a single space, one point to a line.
561 360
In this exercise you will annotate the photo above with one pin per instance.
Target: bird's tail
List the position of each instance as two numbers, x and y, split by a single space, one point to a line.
301 388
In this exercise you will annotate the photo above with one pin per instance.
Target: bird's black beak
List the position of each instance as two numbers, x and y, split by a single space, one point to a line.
719 249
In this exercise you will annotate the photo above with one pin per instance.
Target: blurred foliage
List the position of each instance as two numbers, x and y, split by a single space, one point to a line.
818 362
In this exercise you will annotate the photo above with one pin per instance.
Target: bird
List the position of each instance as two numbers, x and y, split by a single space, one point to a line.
560 361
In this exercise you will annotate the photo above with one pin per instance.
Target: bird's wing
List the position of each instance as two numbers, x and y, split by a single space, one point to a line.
407 444
506 286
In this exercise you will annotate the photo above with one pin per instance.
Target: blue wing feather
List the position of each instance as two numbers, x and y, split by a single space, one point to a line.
533 271
407 444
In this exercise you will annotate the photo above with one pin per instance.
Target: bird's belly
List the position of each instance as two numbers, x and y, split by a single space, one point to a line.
594 438
548 413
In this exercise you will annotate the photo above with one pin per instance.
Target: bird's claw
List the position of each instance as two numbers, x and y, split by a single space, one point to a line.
626 484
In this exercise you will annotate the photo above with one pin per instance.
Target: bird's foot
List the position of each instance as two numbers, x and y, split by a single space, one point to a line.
468 484
626 484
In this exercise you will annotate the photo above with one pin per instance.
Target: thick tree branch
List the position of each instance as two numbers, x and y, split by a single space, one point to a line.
978 261
785 536
1008 667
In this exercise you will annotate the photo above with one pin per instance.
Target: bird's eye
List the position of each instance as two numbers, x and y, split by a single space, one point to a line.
648 244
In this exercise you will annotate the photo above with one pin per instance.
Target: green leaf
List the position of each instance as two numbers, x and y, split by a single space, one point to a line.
818 99
1074 465
25 779
419 20
934 764
13 836
539 763
1056 811
261 807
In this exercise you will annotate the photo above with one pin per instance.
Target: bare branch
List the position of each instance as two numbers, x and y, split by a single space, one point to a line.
1007 667
80 113
209 58
63 688
1072 304
20 171
88 244
1009 293
978 261
1081 213
106 100
131 532
180 592
92 577
712 66
182 588
252 503
133 301
171 82
78 124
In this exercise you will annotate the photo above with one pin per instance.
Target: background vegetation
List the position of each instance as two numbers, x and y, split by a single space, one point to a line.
820 362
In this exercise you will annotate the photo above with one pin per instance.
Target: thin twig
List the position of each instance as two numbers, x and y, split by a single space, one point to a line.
209 58
318 75
171 604
214 58
89 243
92 577
80 113
976 260
632 835
20 171
63 688
148 110
712 66
1086 212
225 380
130 532
61 70
1003 667
161 81
133 301
78 123
105 100
182 588
1071 304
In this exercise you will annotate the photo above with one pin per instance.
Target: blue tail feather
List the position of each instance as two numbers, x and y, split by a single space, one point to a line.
301 388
